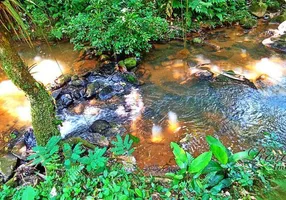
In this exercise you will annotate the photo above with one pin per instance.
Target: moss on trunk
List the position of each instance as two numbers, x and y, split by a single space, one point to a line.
42 104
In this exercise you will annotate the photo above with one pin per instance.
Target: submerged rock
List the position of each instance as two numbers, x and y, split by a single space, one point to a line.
29 139
106 93
92 89
7 165
100 126
62 80
96 139
66 100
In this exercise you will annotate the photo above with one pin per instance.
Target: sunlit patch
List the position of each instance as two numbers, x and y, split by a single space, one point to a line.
156 134
270 68
201 59
135 103
8 88
24 113
173 121
121 111
243 53
37 58
215 69
17 104
47 71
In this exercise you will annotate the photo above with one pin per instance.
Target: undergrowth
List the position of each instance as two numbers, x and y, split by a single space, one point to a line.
74 172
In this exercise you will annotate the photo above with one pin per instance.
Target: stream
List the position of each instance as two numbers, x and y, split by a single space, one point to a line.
172 103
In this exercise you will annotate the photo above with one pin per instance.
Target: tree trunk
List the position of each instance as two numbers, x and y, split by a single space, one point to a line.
42 104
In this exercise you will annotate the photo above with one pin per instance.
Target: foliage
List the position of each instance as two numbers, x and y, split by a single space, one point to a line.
75 173
117 26
122 147
205 176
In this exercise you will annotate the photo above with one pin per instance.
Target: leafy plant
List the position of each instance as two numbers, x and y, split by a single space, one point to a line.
47 154
94 161
122 147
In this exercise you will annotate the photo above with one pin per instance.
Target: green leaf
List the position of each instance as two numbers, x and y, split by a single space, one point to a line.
218 149
199 163
29 193
240 156
135 139
181 157
212 167
138 192
220 153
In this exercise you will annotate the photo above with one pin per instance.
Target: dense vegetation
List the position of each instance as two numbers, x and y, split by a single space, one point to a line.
127 27
74 172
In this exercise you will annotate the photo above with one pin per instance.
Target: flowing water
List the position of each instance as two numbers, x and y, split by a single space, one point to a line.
175 104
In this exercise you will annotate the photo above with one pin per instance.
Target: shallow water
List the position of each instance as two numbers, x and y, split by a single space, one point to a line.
235 113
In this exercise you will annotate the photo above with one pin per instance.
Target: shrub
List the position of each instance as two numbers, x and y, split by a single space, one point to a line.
117 26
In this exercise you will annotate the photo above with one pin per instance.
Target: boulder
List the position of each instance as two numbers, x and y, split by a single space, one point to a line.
96 139
130 63
66 100
56 93
204 75
280 18
248 22
258 9
106 93
63 79
100 126
7 165
92 89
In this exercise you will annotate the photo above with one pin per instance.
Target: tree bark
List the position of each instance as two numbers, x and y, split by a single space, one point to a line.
42 104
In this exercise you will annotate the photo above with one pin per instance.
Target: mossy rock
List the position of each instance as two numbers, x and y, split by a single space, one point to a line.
279 19
131 78
130 63
248 22
121 63
258 9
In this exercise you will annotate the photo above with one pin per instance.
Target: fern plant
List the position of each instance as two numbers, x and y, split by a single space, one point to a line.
94 161
122 147
72 155
47 154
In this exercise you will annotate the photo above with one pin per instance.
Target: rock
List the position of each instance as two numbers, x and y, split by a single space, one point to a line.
77 83
107 69
19 150
131 78
92 89
7 165
129 163
204 75
100 126
258 8
279 43
130 63
56 93
29 139
62 80
66 100
106 93
79 108
96 139
280 18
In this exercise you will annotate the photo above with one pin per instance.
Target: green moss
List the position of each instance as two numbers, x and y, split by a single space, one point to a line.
258 8
130 63
248 22
42 105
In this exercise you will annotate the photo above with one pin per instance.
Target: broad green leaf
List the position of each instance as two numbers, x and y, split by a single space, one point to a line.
248 154
199 163
212 167
29 193
213 141
220 153
180 155
138 192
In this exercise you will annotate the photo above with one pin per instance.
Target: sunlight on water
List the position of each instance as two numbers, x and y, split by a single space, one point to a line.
15 102
156 134
47 71
270 68
173 121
